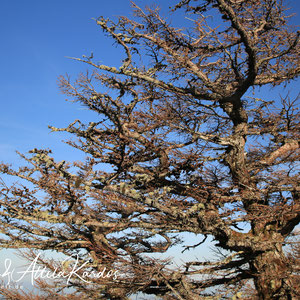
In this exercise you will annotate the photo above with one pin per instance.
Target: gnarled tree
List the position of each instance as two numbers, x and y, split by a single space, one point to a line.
180 144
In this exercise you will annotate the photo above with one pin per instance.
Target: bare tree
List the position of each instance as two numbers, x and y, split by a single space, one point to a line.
183 142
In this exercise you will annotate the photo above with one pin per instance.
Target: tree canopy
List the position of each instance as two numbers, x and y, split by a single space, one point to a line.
183 142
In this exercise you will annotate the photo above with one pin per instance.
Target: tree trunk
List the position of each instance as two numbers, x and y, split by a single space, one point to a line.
273 276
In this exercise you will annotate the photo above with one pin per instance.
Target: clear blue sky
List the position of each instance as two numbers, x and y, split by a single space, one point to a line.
36 36
35 39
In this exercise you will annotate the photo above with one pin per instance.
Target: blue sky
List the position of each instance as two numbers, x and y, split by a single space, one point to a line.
36 37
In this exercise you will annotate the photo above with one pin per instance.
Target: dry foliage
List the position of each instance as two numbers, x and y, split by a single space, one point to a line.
179 145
